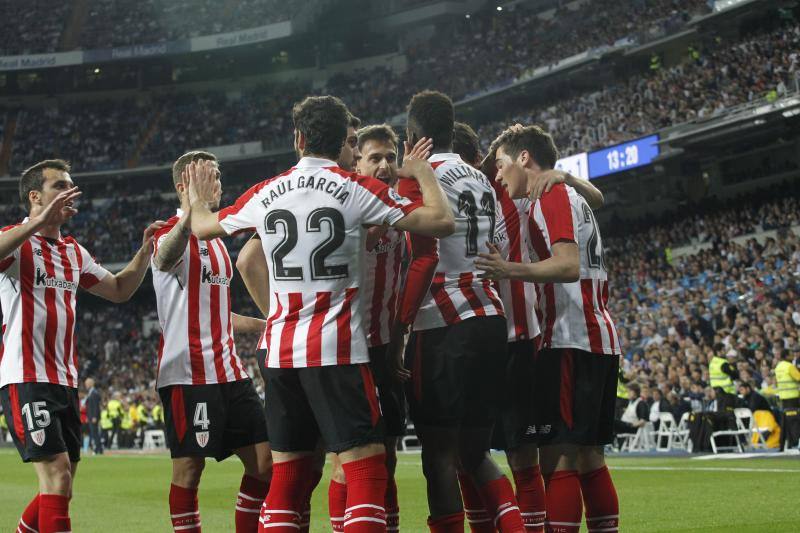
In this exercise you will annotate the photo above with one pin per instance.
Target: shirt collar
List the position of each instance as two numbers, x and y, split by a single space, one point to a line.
445 156
315 162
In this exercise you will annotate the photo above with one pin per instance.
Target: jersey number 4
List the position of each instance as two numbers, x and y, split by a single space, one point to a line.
334 221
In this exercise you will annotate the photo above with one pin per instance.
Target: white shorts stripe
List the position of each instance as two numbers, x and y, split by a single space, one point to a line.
250 498
185 514
280 524
539 513
364 519
246 510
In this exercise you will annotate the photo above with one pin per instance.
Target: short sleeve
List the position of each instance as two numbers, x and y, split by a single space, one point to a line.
241 215
6 262
91 271
557 214
380 204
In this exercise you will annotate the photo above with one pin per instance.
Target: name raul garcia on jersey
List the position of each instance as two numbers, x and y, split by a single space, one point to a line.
318 183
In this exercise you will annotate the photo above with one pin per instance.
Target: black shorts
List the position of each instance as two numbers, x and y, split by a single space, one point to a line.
514 426
44 419
212 420
575 393
458 373
390 393
337 403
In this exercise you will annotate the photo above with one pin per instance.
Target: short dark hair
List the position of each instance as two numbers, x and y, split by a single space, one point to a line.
323 121
354 122
33 177
431 115
466 143
377 132
633 386
534 139
189 157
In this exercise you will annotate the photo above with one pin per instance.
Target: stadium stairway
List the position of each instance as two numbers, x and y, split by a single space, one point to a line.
8 141
145 138
70 37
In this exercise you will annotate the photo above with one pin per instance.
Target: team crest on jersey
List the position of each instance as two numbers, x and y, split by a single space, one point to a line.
202 438
38 437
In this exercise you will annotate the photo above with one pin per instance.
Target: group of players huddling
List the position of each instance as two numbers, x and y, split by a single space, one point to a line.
471 289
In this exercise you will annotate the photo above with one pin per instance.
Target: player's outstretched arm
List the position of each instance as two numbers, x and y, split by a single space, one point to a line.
55 214
542 182
434 218
252 265
247 324
200 179
120 287
171 249
562 267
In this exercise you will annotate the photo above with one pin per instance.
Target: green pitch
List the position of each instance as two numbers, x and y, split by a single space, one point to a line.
126 493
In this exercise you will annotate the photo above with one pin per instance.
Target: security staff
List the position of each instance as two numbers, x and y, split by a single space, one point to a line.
721 374
788 377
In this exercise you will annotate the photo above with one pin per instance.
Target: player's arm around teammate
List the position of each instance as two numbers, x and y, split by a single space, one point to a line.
578 334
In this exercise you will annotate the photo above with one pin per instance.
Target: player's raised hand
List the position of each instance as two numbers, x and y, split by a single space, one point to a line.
415 159
542 182
59 210
200 179
149 233
493 265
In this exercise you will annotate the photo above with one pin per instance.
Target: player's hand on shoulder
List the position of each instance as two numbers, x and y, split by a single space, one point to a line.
542 182
149 233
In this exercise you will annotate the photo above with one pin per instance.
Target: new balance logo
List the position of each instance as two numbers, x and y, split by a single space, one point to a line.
43 280
214 279
204 252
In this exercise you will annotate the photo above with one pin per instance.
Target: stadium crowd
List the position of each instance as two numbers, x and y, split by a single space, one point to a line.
721 76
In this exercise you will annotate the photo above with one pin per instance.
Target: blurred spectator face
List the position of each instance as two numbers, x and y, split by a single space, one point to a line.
379 160
710 394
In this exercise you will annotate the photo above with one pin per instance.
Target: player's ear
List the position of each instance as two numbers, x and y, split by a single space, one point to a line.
34 197
299 141
524 158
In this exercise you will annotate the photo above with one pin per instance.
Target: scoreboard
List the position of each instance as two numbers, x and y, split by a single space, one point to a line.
617 158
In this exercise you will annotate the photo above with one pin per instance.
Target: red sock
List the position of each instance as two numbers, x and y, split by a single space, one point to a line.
287 495
392 506
600 500
452 523
183 509
531 498
54 513
564 506
252 492
366 490
337 503
305 518
29 520
480 521
498 495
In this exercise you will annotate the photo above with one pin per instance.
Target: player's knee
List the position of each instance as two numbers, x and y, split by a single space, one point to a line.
187 473
337 473
438 461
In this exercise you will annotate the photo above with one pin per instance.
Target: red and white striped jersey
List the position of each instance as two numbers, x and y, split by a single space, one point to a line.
572 315
456 292
194 310
513 240
381 283
311 221
38 285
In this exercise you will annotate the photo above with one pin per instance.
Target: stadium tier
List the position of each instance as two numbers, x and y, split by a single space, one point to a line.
567 231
